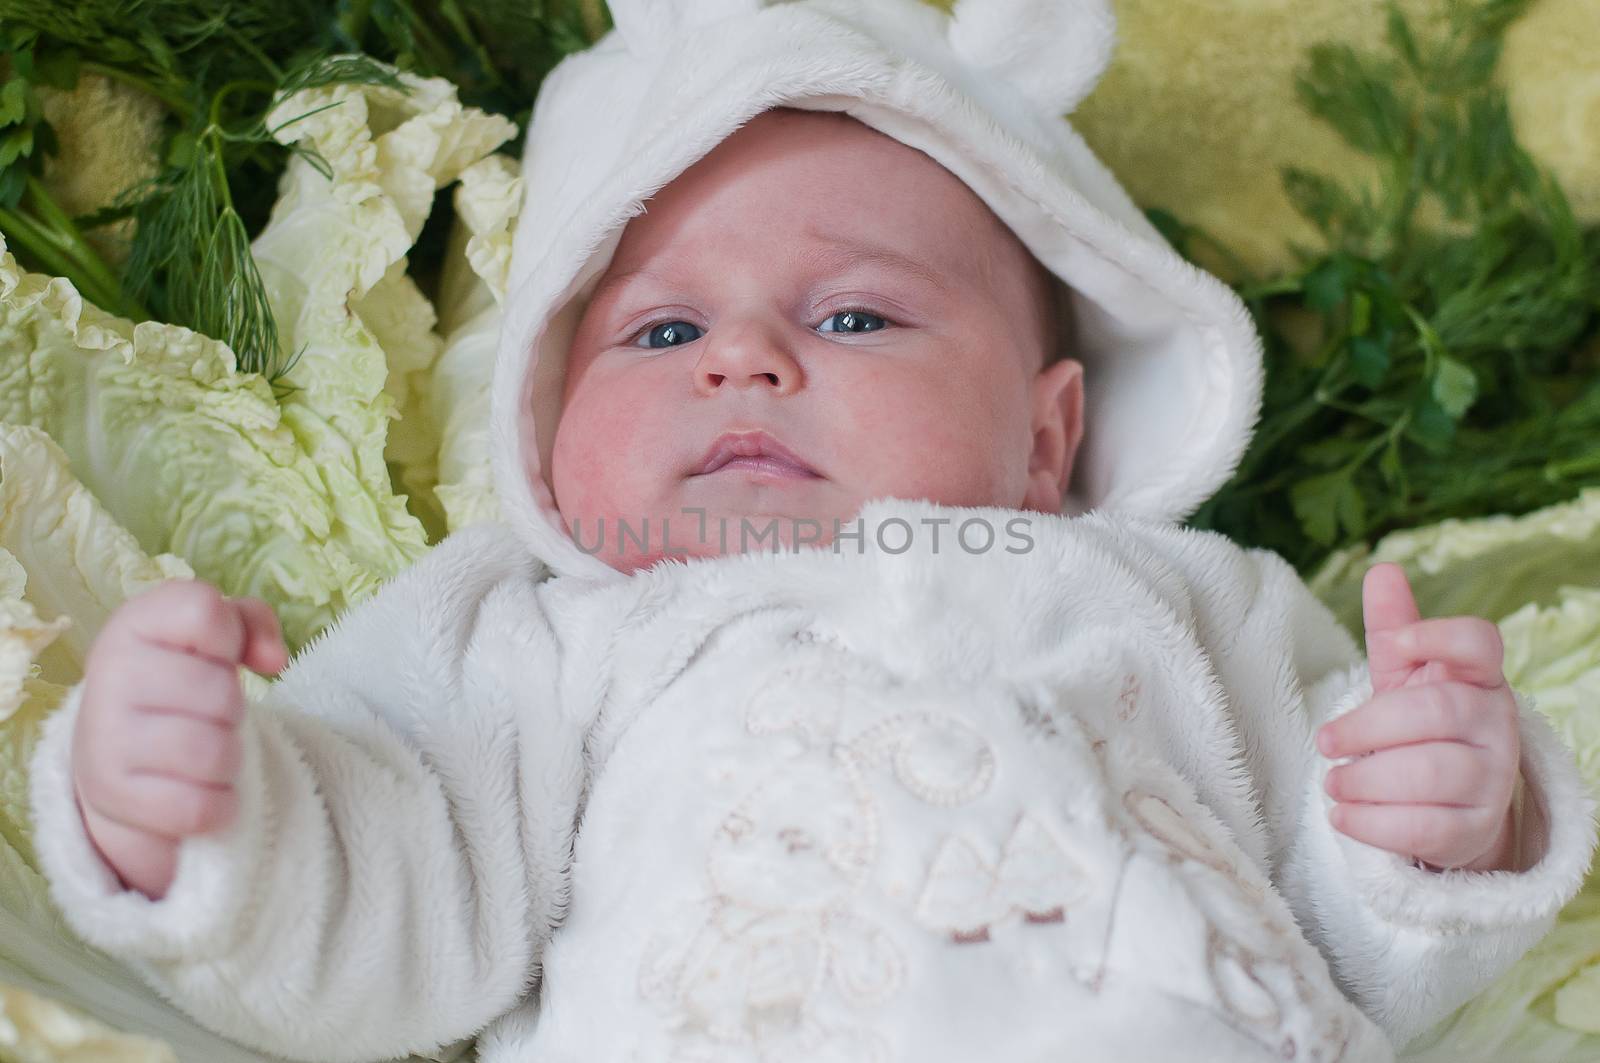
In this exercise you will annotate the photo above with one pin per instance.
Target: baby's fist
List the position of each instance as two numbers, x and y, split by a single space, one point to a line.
156 748
1437 745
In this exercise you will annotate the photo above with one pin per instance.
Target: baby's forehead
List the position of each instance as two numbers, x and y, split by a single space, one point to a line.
962 219
859 166
827 186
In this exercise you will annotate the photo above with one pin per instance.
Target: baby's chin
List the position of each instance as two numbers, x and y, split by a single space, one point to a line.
734 513
721 535
715 520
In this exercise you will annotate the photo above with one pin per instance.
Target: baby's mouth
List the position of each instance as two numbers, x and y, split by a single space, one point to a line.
754 453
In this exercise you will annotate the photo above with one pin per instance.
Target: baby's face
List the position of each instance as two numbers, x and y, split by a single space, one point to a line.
821 283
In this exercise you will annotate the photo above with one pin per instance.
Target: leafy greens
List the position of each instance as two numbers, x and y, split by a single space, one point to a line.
1419 372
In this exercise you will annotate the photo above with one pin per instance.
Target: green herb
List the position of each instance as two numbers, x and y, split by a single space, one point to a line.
1451 373
218 67
496 52
188 212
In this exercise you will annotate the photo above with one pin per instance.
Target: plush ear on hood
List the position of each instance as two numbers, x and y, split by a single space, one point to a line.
645 23
1052 51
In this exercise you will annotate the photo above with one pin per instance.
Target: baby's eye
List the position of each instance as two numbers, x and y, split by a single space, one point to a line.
672 333
676 333
855 321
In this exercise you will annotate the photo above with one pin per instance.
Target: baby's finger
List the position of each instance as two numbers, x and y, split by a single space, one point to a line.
191 616
171 808
140 858
1470 646
1444 837
183 747
1387 604
1426 773
264 652
172 681
1436 712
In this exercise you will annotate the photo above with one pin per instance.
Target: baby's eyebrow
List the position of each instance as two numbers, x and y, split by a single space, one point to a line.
839 251
835 251
608 288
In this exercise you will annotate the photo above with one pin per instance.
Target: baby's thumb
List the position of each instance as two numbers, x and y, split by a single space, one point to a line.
264 649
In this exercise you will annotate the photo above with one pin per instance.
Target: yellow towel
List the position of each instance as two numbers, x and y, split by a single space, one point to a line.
1198 112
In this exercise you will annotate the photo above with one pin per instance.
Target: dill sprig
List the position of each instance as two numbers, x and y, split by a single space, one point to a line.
218 67
1418 372
496 52
192 254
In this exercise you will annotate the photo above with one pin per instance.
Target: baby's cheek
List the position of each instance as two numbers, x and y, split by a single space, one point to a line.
932 444
604 454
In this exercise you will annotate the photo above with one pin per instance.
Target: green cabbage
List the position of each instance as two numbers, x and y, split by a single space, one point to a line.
62 557
131 452
471 292
289 500
25 699
333 262
1486 567
23 636
34 1028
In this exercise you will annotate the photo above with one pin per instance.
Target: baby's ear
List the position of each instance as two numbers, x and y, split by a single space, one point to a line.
644 23
1053 51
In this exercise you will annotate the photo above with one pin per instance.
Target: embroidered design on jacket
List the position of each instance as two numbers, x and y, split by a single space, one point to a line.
1255 960
944 762
1242 981
1128 698
965 895
938 759
1259 987
1157 816
779 929
778 960
748 966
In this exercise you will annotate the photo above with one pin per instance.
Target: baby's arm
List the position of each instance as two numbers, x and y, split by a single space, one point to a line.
400 848
1408 944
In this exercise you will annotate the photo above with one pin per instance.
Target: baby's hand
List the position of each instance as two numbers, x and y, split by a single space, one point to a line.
156 747
1438 742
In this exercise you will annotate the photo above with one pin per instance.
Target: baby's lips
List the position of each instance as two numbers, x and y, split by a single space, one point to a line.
754 444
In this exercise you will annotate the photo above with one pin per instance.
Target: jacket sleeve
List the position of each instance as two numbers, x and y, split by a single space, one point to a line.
1407 944
406 806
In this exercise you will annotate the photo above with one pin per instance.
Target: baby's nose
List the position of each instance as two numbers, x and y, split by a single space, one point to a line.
746 357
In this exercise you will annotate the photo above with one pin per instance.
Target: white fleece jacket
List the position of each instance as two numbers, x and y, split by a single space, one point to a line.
830 805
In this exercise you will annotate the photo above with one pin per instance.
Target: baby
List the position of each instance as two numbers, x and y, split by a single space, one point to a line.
841 684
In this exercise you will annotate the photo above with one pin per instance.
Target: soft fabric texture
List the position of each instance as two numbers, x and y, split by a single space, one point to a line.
918 805
897 798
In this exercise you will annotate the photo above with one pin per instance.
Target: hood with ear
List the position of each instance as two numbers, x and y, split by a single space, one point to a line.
1172 360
